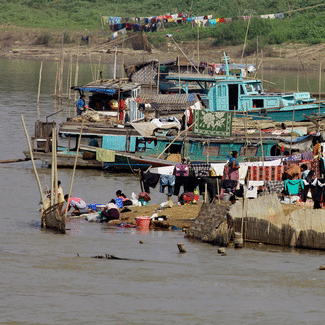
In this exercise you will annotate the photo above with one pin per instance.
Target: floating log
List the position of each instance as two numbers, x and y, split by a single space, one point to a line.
14 160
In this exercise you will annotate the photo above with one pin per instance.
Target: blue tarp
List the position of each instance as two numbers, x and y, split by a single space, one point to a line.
99 90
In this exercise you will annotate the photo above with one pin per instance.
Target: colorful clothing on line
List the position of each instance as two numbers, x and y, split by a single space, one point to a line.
181 170
200 169
267 173
274 186
167 181
293 187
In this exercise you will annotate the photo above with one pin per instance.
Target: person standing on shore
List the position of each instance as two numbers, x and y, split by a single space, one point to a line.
233 172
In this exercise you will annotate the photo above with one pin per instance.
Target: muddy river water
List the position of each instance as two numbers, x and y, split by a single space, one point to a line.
43 281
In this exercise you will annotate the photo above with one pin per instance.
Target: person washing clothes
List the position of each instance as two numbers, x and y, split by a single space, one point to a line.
77 203
111 212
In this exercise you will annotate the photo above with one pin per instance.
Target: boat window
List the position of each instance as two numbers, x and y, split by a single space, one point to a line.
242 91
258 88
174 148
211 150
258 103
248 88
249 151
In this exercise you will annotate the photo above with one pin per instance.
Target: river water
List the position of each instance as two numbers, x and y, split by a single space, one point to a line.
43 281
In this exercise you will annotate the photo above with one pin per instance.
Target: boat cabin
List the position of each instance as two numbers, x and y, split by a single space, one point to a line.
107 95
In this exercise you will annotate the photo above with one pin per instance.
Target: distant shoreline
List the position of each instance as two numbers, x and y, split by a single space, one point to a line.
19 43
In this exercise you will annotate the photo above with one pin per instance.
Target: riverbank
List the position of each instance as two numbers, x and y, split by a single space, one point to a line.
20 43
180 216
177 215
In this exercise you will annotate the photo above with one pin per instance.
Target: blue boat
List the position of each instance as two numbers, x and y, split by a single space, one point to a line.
247 97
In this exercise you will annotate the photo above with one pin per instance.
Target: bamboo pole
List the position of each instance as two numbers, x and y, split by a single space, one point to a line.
198 47
256 53
218 189
242 55
52 170
56 79
320 85
91 65
174 140
74 169
284 84
61 77
39 83
158 78
297 83
99 63
198 71
263 167
70 77
262 68
76 74
179 76
55 167
33 162
293 119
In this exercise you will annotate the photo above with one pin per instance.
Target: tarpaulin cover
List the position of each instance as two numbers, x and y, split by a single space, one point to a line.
303 144
99 90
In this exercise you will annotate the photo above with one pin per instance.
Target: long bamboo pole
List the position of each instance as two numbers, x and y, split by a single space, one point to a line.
74 169
320 85
61 78
158 78
55 166
52 170
174 140
56 79
293 119
32 159
242 55
76 74
179 75
39 83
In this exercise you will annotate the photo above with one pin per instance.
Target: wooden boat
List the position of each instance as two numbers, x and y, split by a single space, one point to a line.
247 96
51 212
42 149
53 219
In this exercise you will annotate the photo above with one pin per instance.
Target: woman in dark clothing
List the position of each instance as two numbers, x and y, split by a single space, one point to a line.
111 212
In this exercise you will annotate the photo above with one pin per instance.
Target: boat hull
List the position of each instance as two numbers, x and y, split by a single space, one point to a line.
65 160
53 219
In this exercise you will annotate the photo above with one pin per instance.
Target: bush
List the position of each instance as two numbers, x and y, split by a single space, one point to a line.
67 39
43 39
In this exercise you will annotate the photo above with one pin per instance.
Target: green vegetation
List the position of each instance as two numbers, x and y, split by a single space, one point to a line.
43 39
306 26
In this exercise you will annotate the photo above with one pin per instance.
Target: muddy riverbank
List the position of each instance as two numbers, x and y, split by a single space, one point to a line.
19 42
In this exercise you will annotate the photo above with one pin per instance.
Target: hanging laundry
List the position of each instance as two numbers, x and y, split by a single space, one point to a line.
293 187
276 187
181 170
169 182
149 180
200 169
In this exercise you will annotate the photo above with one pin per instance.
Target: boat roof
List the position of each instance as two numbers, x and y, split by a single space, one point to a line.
207 78
108 86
